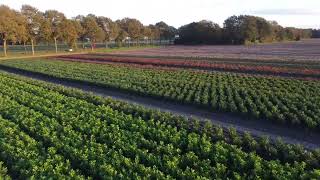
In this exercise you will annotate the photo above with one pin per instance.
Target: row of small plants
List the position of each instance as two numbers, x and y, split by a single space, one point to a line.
298 63
221 66
283 101
141 143
260 145
4 172
26 157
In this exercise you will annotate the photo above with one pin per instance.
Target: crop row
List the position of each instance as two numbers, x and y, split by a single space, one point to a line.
284 101
262 146
222 66
27 157
4 172
256 62
101 142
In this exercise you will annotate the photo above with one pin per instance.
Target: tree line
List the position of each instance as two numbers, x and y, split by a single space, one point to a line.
316 33
243 29
31 26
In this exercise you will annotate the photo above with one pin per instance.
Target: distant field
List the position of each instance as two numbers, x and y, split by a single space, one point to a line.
301 50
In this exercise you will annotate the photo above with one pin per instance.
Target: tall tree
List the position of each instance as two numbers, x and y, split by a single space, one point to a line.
121 37
69 32
22 33
12 27
155 32
315 33
34 19
46 31
79 19
147 32
78 27
54 18
111 29
166 31
203 32
232 27
92 30
248 29
115 31
132 26
264 30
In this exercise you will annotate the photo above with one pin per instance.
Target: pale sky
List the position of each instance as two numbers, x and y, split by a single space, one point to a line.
297 13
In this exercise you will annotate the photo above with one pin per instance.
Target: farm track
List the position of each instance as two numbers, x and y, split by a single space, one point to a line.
257 128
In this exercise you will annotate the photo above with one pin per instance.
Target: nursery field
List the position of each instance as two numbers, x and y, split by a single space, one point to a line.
283 101
91 98
299 69
51 131
308 50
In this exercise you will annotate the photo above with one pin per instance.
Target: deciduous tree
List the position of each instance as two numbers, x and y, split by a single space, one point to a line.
92 30
166 31
9 26
34 19
68 32
55 18
132 26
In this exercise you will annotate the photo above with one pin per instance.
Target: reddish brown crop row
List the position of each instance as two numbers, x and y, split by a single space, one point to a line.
206 65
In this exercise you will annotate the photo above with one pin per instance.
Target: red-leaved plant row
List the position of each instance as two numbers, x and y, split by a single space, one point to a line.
200 65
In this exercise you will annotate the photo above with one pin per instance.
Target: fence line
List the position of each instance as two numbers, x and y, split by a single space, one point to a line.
85 45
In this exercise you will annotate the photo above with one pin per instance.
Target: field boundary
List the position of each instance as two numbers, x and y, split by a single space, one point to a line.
89 51
40 55
257 128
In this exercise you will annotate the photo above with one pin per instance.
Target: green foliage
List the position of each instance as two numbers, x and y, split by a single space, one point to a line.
12 27
33 26
34 20
55 19
92 31
4 172
271 99
69 32
132 26
63 133
243 29
110 28
166 31
203 32
27 157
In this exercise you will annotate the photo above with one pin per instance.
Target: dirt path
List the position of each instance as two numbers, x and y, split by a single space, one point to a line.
255 127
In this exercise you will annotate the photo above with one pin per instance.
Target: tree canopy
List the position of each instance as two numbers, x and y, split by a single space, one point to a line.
31 26
12 26
203 32
243 29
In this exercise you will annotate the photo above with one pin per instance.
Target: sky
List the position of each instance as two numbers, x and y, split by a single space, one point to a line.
288 13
